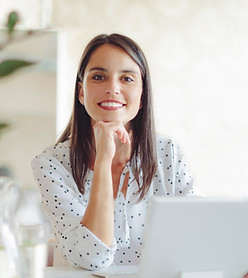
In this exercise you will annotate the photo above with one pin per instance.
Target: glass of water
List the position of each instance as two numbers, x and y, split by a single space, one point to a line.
33 246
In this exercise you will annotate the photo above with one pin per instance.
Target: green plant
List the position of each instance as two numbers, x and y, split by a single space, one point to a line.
9 66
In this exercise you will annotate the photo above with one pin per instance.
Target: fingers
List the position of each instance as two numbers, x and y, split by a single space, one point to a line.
123 135
114 128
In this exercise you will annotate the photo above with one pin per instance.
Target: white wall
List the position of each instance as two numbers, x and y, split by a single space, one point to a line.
28 104
198 57
197 51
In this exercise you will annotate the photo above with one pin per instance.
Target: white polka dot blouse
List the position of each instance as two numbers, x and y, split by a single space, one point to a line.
75 245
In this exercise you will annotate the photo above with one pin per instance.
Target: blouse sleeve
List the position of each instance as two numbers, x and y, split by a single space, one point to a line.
183 179
65 207
173 170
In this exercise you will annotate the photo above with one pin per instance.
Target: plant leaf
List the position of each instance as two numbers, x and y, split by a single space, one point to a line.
3 126
7 67
12 20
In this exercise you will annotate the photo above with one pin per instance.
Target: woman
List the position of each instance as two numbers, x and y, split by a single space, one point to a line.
96 181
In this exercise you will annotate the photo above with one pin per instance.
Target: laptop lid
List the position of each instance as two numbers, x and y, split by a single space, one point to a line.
195 235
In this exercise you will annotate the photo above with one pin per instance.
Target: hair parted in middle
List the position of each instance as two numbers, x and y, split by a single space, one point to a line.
80 133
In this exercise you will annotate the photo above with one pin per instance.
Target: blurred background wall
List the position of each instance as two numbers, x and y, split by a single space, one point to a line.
197 52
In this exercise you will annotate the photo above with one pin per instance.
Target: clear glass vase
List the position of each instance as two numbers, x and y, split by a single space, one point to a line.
10 259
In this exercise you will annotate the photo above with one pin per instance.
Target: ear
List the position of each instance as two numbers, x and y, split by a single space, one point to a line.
80 93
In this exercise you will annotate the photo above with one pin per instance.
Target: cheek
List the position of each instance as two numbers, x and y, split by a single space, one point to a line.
136 96
89 93
93 89
135 100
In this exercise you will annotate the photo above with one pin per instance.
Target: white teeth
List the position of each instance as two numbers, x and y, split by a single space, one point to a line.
111 104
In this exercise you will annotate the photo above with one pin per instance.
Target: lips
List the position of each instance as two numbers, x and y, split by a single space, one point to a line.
111 104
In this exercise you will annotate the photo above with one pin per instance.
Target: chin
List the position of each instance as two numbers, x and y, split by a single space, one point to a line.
110 119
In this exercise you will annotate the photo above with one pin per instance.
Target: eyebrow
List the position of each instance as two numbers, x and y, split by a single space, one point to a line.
104 70
97 69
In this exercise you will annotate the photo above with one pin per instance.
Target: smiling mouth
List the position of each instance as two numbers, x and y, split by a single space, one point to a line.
111 105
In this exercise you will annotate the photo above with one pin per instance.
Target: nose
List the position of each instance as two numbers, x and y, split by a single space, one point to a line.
113 87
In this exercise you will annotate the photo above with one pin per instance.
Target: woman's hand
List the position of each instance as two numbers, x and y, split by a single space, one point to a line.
106 134
99 215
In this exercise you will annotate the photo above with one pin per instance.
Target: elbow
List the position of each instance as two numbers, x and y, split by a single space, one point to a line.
89 262
83 249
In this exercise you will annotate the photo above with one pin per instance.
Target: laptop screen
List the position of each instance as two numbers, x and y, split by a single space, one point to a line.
195 235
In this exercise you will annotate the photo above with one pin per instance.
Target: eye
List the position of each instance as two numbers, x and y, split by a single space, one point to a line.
127 79
98 77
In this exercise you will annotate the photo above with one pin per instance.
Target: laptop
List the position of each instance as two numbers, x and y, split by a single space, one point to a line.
192 238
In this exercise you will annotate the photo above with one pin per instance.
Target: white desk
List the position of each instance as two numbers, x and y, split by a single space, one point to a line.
66 272
70 272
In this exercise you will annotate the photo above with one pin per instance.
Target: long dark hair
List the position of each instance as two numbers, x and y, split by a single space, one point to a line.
79 130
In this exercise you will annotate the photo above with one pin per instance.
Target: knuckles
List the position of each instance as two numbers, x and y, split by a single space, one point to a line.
108 125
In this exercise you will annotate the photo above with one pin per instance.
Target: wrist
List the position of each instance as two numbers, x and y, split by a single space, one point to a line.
103 159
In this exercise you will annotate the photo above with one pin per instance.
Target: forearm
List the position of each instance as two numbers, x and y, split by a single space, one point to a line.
99 215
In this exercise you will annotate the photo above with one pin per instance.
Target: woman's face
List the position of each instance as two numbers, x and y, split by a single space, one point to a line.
112 86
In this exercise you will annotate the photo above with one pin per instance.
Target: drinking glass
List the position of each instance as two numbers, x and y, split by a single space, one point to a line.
33 245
